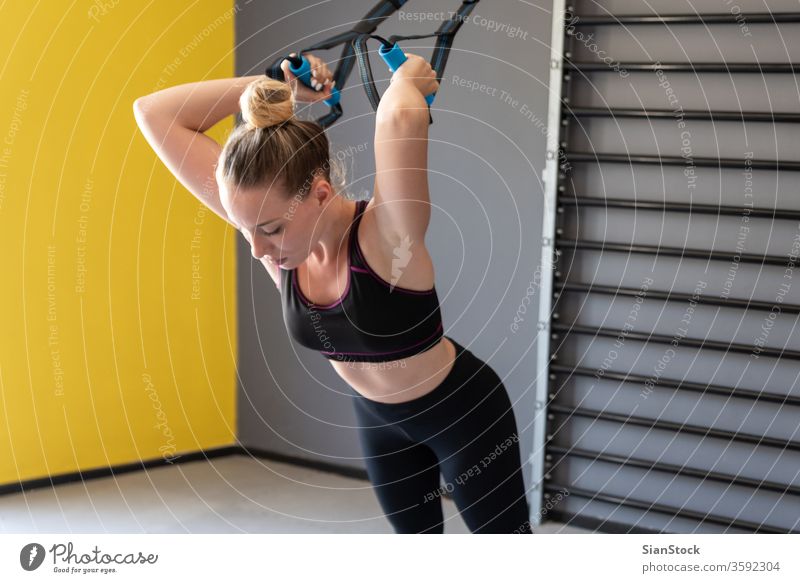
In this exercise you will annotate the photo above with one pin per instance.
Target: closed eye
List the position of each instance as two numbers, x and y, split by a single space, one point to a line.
270 233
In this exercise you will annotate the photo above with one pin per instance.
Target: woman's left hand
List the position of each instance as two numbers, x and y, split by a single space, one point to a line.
320 77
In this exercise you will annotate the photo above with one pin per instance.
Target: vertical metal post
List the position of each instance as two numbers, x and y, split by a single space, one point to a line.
550 177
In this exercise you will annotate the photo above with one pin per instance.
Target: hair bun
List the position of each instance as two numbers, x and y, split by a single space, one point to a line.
266 102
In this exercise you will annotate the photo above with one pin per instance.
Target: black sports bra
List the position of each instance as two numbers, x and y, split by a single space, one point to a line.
372 322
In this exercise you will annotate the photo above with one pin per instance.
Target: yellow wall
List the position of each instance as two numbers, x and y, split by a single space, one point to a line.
108 352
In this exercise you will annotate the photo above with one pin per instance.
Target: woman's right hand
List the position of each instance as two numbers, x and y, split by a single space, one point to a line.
319 74
419 72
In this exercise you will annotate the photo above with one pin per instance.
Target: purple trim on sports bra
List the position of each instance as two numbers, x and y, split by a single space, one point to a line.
309 303
438 329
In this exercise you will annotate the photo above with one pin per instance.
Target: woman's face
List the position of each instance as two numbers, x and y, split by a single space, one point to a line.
278 228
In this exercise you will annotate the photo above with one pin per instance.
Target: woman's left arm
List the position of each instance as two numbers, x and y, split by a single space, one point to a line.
401 159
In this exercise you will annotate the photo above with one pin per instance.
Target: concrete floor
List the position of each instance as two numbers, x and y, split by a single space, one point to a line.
233 494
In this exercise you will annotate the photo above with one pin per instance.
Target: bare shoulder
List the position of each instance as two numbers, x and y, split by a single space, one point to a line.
405 263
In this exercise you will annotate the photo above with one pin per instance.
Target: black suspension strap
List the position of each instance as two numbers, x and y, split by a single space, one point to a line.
444 41
367 24
354 48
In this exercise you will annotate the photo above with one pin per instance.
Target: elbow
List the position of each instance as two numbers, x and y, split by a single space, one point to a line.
141 107
404 120
402 104
144 108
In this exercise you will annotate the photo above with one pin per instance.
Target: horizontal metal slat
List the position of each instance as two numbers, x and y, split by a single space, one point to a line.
655 205
672 426
691 342
711 18
669 510
683 252
680 161
668 383
684 67
755 116
561 288
563 452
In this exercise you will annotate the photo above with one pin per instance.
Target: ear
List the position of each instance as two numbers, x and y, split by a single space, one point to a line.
322 191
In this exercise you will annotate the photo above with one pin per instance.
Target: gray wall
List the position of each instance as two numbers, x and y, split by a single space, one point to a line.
485 157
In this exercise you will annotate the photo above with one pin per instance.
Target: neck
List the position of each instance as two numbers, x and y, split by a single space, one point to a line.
335 236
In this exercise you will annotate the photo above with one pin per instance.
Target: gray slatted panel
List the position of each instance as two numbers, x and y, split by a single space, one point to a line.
669 459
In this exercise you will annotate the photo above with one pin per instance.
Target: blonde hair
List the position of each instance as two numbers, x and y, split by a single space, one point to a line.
274 146
266 102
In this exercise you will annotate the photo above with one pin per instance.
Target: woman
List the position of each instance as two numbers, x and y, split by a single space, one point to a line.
357 283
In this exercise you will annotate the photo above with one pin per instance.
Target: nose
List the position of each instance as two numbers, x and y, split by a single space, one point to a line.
259 248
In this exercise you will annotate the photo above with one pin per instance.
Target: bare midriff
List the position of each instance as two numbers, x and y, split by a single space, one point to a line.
401 380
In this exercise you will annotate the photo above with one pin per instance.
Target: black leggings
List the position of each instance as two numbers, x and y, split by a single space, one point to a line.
465 428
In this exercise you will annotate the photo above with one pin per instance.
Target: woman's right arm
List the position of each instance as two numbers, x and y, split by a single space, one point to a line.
173 122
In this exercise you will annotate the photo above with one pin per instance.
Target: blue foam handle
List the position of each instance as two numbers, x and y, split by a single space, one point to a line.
394 58
303 73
